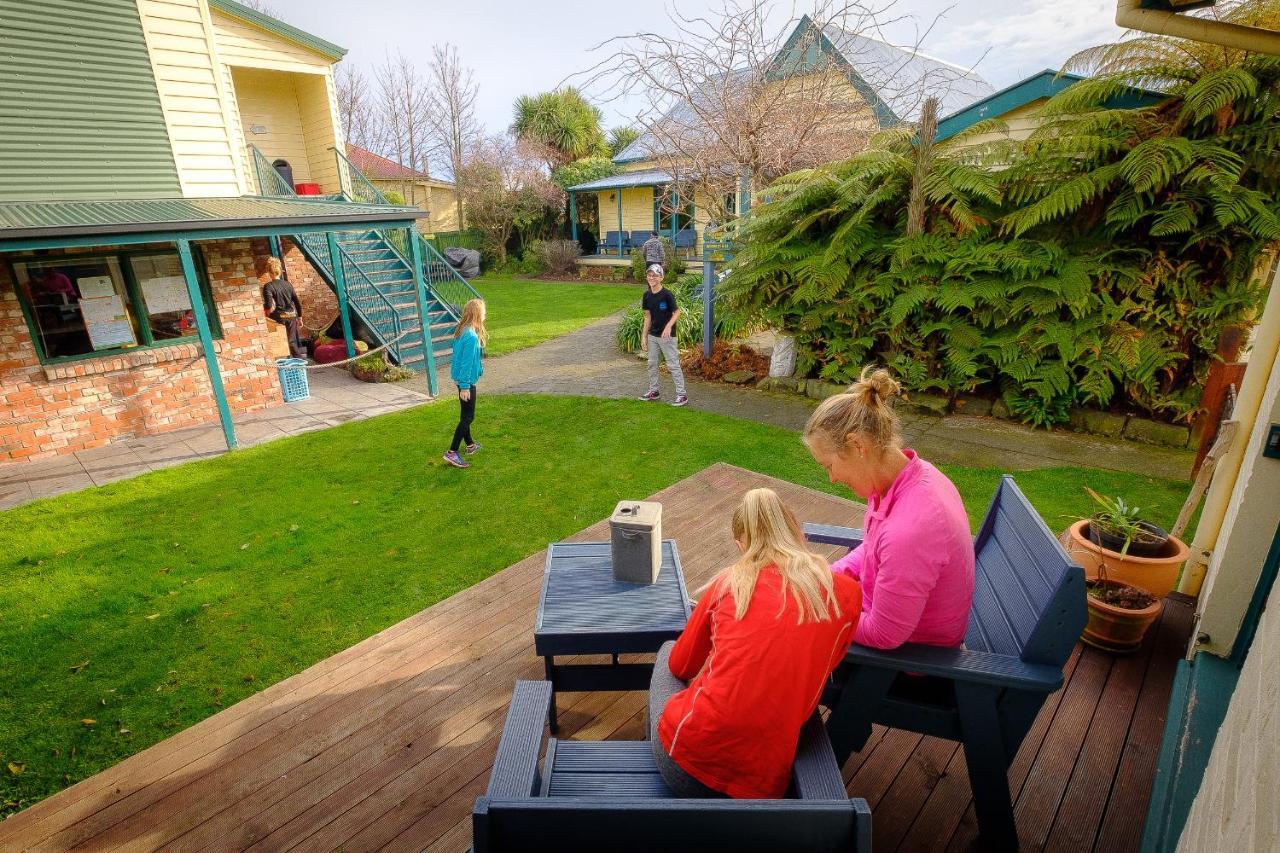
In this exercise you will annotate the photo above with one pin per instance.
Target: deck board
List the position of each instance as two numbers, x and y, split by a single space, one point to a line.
385 745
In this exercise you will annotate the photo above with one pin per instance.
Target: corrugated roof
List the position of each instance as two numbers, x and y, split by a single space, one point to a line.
647 177
22 219
280 28
894 80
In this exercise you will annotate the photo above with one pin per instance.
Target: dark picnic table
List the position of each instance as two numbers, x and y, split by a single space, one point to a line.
584 611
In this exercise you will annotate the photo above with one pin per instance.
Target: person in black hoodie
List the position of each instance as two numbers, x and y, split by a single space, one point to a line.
281 303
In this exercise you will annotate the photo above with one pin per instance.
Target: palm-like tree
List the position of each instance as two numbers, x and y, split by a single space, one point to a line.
560 123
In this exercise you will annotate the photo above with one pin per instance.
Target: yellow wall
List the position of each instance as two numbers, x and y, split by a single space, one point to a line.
637 210
269 99
243 44
179 37
437 198
1021 122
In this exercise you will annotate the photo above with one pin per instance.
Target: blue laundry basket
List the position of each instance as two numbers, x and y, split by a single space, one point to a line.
293 378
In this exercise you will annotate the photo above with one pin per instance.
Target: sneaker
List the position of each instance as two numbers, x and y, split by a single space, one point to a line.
652 395
681 399
455 460
474 448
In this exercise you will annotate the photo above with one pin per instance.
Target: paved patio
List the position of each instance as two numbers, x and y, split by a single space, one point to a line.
336 398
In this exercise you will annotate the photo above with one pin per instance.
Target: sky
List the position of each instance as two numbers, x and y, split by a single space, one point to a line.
518 48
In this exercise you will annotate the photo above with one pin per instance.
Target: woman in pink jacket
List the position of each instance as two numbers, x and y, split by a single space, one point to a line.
916 561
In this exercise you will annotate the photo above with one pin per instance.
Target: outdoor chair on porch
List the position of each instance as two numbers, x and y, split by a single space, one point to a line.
638 239
686 239
1028 611
610 242
608 795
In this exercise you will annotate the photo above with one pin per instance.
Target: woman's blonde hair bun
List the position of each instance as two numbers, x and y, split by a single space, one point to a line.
866 409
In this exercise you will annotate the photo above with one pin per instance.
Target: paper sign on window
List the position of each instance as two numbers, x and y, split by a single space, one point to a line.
95 286
107 322
166 294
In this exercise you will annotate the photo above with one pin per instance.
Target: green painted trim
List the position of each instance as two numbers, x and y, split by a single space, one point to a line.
420 289
619 195
132 290
1261 595
280 28
573 215
282 230
206 342
340 284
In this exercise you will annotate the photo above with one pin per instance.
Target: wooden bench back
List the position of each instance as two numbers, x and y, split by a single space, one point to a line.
1029 596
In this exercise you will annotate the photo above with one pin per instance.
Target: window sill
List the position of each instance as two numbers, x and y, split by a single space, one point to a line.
113 362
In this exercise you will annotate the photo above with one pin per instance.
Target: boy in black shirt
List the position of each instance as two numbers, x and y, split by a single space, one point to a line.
659 334
281 303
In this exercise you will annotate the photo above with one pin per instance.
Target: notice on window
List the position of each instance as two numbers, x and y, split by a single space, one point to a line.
166 294
107 322
95 287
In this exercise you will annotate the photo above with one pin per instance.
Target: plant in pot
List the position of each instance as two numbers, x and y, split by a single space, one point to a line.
1135 551
370 368
1120 611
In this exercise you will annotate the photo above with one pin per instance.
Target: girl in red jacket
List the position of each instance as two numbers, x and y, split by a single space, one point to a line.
756 654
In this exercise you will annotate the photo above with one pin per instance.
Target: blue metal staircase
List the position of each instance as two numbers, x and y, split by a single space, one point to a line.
378 275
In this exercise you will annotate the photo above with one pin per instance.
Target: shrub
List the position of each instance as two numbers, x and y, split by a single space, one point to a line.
393 197
559 257
673 268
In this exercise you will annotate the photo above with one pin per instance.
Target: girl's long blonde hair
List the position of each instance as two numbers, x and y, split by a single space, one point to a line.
770 535
473 317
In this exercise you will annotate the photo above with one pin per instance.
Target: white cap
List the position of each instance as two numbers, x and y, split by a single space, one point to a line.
655 269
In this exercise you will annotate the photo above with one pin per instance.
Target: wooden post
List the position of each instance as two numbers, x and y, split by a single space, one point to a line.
708 302
1224 372
675 214
206 342
340 283
420 288
573 215
619 222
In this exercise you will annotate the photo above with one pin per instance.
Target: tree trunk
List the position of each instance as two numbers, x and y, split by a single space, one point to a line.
927 132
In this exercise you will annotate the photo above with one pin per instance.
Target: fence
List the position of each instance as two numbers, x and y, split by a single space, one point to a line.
442 240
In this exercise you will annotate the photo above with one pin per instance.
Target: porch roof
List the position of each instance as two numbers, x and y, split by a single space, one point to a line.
647 177
49 224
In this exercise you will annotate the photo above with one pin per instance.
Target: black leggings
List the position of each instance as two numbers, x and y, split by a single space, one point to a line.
463 431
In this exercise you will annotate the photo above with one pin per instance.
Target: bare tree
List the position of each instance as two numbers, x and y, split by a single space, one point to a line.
402 110
264 8
451 114
506 188
724 103
358 108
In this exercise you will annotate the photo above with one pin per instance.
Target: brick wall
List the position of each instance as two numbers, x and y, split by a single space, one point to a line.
319 302
46 410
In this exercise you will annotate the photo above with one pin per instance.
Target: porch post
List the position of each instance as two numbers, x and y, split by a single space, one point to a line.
340 283
744 194
619 222
206 342
420 288
675 214
277 252
573 215
708 301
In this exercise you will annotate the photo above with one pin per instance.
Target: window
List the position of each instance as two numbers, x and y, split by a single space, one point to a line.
662 203
82 306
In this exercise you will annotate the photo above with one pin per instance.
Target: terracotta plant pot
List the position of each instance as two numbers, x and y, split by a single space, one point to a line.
367 375
1118 629
1157 575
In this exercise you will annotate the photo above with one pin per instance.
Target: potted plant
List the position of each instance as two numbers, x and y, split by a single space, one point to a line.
370 368
1134 551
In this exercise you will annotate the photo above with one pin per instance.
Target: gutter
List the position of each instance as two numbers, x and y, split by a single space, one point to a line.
1131 15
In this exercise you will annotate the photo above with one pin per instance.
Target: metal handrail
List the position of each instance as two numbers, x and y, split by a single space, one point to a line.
269 181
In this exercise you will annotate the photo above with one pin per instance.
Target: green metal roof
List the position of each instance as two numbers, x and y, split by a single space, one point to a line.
645 178
280 28
73 221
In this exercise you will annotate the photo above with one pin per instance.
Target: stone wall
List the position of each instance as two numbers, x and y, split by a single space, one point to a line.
47 410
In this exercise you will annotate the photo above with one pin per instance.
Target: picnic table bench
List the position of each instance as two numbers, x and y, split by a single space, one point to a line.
608 795
1028 611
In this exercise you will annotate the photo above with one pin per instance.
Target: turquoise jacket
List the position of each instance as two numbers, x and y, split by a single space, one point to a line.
465 367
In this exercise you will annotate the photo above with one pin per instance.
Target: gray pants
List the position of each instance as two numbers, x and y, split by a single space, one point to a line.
662 687
669 351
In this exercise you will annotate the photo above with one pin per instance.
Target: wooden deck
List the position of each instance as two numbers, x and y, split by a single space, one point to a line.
387 744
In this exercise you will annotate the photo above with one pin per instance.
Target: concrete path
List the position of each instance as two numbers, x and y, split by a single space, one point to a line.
336 398
588 362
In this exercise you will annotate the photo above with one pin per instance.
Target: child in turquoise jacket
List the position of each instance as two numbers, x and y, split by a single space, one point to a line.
466 369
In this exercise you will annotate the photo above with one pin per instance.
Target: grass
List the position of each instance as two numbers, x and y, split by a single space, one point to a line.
147 605
522 312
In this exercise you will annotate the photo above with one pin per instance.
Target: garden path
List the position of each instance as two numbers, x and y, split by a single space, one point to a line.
588 362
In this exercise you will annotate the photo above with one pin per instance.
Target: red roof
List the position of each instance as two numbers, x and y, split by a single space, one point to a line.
381 168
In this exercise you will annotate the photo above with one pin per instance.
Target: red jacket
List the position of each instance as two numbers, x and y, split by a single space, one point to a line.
736 726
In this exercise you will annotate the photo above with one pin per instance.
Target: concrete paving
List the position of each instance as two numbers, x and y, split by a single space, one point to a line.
586 362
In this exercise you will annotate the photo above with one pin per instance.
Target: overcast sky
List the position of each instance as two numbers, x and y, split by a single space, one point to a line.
520 48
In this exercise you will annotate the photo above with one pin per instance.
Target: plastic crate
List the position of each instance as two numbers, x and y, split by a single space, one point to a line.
293 378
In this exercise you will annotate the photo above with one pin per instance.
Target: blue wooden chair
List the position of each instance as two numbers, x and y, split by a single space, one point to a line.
610 242
1028 610
686 238
592 795
638 238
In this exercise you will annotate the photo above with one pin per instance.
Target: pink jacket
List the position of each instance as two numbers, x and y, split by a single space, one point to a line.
915 563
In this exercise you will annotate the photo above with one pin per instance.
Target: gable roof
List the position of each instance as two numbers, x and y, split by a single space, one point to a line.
1044 84
893 80
378 168
278 27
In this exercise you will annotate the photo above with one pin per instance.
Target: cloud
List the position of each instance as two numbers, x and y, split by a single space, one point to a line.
1031 36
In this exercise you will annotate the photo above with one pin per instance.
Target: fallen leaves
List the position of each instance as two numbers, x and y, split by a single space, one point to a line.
16 768
153 616
88 721
75 670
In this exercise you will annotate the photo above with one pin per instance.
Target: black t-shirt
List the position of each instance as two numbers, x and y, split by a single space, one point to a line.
661 306
279 295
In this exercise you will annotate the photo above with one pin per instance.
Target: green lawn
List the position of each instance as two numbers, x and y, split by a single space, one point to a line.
149 604
523 312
